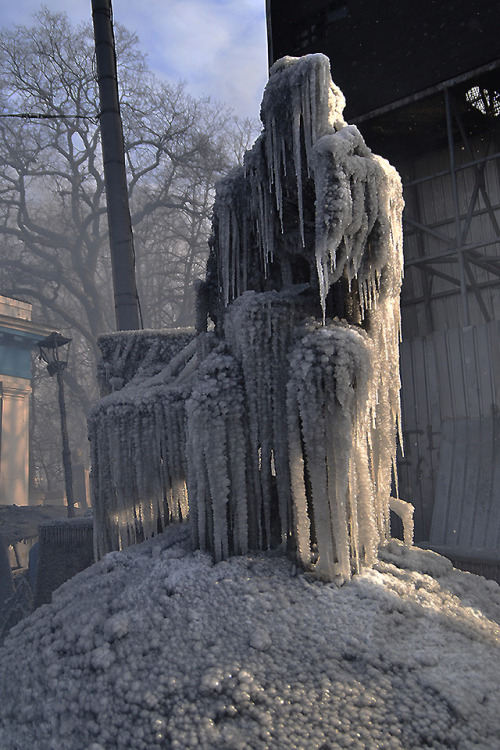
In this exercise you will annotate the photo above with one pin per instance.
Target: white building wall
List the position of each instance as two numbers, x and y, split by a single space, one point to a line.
14 449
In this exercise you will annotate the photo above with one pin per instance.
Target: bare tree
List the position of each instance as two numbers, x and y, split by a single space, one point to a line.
53 231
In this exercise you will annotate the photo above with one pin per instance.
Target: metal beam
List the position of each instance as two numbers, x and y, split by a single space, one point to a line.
444 85
456 206
477 293
458 168
444 293
437 257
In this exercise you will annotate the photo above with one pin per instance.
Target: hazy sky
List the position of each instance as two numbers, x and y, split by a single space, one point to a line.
218 47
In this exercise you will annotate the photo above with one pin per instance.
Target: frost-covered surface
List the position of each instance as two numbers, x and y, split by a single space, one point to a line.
158 647
312 204
309 187
138 451
260 330
285 433
331 432
405 512
216 457
128 355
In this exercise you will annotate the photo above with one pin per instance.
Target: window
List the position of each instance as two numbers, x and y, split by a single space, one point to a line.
487 102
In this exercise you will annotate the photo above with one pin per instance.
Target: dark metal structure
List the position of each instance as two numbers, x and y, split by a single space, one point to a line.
121 239
384 52
422 82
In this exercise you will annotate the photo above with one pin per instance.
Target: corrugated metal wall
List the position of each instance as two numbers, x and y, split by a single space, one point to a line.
451 430
430 301
450 355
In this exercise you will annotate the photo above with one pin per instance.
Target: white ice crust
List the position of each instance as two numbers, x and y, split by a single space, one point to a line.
158 647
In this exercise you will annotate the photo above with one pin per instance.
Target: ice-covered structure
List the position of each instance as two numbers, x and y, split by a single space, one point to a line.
279 428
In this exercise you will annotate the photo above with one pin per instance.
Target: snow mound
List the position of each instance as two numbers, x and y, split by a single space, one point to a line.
413 558
157 646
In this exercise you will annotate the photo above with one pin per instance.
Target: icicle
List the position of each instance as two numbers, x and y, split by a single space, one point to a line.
259 329
216 465
297 159
138 482
329 386
302 524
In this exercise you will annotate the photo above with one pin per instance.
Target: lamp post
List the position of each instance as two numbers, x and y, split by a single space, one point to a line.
54 350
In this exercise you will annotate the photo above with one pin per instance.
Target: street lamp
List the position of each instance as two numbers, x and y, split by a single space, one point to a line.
54 350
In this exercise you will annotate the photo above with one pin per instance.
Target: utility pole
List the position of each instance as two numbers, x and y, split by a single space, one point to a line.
115 179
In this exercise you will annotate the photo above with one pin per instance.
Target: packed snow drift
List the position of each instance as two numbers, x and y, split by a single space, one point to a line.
278 429
158 647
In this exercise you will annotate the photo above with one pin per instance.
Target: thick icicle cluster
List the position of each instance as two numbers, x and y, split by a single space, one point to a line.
328 413
138 471
138 451
216 456
313 204
286 432
259 329
260 213
310 188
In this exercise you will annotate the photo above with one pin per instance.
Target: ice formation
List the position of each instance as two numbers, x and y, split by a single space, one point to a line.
137 436
157 647
216 451
283 424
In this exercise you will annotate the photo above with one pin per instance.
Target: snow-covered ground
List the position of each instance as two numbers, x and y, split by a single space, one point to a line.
158 647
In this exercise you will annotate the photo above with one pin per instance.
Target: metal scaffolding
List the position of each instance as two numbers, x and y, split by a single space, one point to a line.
469 265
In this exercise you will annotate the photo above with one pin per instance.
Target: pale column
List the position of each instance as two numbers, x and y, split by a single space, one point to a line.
14 464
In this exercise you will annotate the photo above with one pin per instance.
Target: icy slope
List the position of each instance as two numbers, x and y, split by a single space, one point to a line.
158 647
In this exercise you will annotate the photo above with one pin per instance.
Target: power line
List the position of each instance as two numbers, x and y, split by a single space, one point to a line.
41 116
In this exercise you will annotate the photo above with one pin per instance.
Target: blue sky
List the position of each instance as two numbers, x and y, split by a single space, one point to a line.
218 47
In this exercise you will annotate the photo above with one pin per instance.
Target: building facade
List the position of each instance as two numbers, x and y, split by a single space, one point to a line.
18 337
